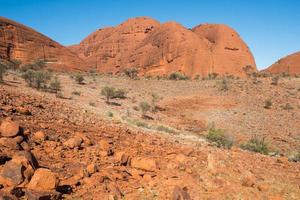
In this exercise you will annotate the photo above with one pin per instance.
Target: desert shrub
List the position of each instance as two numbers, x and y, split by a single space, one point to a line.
131 72
295 157
55 85
257 145
37 79
79 78
3 68
145 107
154 100
119 94
275 80
212 76
223 84
76 93
268 104
218 137
177 76
197 77
110 114
165 129
92 104
108 92
112 93
287 106
41 79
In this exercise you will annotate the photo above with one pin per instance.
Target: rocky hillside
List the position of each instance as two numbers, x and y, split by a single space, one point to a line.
289 64
156 48
25 44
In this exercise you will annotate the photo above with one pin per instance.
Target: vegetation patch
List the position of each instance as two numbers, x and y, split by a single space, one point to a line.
218 137
257 145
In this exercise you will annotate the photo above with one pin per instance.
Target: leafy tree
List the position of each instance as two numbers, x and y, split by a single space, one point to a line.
108 92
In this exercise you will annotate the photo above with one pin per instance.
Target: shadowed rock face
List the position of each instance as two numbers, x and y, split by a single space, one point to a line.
20 42
289 64
163 48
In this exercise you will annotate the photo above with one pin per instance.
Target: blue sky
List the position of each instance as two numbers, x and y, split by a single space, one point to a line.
271 28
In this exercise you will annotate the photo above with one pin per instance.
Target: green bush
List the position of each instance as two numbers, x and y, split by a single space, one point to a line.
79 78
145 107
131 72
257 145
154 100
218 137
295 157
165 129
108 92
177 76
119 94
37 79
55 85
76 93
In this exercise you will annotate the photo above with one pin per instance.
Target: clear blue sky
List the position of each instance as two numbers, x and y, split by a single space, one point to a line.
271 28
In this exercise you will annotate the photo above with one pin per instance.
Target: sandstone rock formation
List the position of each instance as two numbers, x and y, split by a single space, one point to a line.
230 54
289 64
160 49
23 43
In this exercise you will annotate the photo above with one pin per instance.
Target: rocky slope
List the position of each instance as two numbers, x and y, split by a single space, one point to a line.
51 150
156 48
23 43
289 64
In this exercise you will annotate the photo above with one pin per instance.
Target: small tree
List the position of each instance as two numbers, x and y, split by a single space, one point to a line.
154 100
108 92
218 137
79 78
145 107
131 72
275 80
55 85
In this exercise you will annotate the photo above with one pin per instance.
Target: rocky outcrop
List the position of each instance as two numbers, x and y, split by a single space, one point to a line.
159 49
229 53
108 49
27 45
289 64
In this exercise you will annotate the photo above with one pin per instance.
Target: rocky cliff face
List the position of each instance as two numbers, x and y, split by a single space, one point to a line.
289 64
160 49
20 42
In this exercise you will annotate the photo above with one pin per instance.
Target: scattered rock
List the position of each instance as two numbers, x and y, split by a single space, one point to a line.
43 180
9 128
91 169
248 180
39 137
147 164
73 142
12 174
104 145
